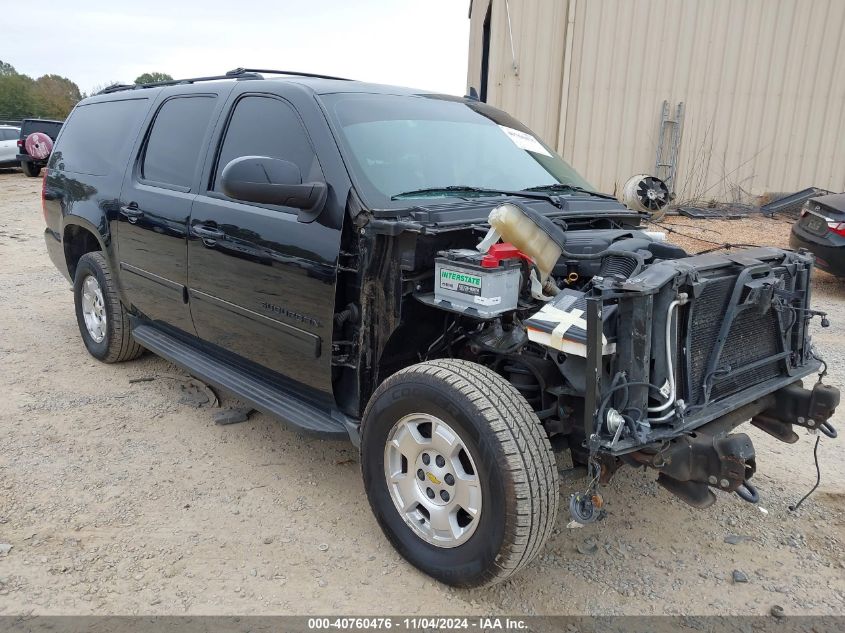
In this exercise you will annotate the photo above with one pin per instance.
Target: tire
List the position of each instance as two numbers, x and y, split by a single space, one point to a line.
115 342
30 169
507 448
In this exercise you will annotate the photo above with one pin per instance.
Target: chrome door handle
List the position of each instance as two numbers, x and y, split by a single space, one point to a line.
131 212
207 233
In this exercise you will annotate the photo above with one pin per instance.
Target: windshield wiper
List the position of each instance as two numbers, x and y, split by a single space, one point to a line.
447 189
559 186
455 189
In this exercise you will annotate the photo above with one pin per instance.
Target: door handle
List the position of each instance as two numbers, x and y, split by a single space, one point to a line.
131 211
207 233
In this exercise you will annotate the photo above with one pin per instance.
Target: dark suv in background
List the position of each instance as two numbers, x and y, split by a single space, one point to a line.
32 165
420 273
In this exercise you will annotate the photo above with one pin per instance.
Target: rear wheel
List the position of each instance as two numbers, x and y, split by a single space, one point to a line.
103 321
458 471
30 169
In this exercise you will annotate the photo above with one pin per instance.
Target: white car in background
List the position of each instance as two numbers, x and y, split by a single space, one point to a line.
9 136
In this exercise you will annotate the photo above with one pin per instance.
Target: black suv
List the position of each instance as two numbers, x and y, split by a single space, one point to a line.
31 165
422 274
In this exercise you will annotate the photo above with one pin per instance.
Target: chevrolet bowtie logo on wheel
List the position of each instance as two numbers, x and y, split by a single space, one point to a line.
433 479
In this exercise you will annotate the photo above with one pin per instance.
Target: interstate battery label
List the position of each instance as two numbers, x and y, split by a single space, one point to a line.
460 282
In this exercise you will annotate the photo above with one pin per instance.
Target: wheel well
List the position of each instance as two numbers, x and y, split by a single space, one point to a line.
407 344
77 241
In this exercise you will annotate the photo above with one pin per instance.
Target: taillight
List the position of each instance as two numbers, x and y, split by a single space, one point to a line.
44 194
20 142
836 227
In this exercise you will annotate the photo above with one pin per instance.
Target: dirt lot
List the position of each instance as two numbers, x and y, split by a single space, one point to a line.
117 497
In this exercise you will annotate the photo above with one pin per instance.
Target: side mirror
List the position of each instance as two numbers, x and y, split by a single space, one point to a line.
273 181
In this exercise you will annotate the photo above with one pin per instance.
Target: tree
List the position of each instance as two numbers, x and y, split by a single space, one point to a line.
56 96
17 97
20 97
149 78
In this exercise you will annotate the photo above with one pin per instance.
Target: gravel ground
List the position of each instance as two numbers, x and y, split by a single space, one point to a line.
122 497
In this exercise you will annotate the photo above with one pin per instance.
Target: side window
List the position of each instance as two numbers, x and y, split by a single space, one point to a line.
265 126
96 136
174 144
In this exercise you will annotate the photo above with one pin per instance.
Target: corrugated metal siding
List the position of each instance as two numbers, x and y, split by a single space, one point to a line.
534 90
763 83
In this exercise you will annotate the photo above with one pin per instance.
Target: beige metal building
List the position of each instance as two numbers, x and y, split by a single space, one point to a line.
760 85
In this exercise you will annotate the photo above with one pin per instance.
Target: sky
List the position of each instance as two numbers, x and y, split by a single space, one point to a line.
416 43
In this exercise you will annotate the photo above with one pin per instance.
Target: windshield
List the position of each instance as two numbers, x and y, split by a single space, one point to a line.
403 144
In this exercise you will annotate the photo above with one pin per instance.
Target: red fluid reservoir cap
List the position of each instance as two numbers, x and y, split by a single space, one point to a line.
501 252
38 145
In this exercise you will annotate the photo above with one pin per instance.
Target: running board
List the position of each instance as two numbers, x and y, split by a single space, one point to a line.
262 396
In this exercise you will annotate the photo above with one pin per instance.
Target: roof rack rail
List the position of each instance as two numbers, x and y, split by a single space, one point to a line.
292 73
237 73
176 82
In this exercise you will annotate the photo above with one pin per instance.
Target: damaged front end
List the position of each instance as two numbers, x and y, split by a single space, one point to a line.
709 342
630 351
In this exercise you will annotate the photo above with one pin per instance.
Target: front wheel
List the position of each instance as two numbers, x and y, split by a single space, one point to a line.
458 471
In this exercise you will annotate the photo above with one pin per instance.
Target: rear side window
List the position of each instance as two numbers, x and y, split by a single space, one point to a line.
97 135
8 135
265 126
174 144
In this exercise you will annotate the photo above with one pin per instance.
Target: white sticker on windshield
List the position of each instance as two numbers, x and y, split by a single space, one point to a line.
525 141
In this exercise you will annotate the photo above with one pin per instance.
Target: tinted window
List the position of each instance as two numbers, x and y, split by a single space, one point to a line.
8 135
264 126
97 135
174 144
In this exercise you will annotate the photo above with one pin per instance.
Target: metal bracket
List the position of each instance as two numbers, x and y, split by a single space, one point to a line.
593 371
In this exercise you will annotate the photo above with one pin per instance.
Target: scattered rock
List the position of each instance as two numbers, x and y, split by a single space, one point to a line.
323 547
734 539
739 576
777 611
268 540
132 381
233 415
5 548
587 548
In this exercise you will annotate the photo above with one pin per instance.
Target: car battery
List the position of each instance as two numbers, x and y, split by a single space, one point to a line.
476 283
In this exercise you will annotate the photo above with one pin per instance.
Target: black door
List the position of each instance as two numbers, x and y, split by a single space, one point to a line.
262 283
155 205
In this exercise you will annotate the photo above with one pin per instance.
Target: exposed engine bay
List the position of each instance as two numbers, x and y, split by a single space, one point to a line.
629 350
